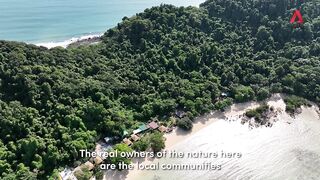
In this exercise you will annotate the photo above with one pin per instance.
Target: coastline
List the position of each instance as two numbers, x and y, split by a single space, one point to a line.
87 41
92 38
51 24
234 113
172 139
231 114
226 131
74 42
178 136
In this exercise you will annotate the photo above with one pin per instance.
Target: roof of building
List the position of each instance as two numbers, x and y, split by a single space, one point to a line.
135 137
127 141
162 128
136 131
153 125
89 165
143 127
97 160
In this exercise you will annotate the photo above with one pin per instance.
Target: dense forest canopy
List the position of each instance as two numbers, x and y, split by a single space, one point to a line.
54 102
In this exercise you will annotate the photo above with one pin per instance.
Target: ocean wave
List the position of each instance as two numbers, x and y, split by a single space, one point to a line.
68 42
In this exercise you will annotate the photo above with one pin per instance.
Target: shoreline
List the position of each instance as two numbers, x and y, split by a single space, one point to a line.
88 38
64 39
294 138
232 116
178 136
73 42
233 113
87 41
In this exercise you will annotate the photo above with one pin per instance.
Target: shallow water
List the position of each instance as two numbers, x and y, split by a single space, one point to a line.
39 21
290 150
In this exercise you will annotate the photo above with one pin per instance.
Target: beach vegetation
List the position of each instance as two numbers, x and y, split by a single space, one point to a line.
293 103
244 93
260 114
83 173
223 104
98 174
185 123
119 149
141 145
257 112
263 94
157 141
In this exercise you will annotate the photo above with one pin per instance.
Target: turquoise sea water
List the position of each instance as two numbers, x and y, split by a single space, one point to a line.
41 21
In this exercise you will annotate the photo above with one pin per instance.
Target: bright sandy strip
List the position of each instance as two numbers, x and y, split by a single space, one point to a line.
177 135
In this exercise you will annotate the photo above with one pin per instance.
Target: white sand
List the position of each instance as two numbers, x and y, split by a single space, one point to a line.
234 113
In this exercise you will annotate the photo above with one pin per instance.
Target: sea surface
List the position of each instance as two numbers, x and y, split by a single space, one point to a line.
44 21
290 150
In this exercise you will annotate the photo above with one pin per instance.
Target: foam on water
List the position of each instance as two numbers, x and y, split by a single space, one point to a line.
67 42
58 22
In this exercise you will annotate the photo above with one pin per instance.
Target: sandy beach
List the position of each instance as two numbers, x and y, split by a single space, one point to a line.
177 136
290 149
206 123
74 42
296 138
